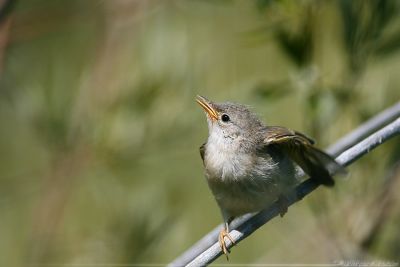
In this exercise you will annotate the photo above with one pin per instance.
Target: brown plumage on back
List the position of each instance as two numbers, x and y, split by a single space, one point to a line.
316 163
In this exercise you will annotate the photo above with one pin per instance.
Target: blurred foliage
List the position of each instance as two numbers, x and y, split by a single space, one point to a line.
99 141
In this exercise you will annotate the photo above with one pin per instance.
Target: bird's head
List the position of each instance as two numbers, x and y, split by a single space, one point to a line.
229 120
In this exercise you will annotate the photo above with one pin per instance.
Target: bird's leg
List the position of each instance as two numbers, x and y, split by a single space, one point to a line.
221 239
283 203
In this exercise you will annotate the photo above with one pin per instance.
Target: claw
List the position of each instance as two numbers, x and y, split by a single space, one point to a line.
222 244
283 203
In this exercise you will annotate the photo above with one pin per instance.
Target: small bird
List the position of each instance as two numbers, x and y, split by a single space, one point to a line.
248 165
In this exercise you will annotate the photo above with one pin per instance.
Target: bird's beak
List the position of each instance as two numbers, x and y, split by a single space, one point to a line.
207 106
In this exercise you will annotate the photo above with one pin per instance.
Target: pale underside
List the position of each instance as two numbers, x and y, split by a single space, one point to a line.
246 182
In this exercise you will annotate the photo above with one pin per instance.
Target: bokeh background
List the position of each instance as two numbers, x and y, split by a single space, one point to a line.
99 134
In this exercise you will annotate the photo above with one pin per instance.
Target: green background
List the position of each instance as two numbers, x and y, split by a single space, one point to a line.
99 134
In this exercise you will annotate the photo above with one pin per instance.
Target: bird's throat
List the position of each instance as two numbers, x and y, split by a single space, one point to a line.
224 159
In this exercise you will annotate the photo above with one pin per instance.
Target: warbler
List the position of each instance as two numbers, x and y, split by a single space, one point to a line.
248 164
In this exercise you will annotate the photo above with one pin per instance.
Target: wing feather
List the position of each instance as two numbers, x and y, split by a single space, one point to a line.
202 151
316 163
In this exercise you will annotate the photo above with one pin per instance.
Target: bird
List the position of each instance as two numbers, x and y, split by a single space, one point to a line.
249 165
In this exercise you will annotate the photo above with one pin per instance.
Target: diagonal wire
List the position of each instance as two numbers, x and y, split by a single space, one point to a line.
365 129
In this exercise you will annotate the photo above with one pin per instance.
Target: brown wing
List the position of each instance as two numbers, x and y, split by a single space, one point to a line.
316 163
202 151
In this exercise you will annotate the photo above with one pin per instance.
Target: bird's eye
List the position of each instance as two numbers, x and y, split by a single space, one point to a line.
225 118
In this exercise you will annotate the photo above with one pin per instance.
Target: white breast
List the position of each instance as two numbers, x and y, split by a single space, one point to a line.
222 160
244 181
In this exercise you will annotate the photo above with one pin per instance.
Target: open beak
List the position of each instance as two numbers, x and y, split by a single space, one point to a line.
207 106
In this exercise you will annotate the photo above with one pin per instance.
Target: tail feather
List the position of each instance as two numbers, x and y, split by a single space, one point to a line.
319 165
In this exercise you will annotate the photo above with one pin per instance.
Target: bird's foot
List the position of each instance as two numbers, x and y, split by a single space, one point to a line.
221 240
283 203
